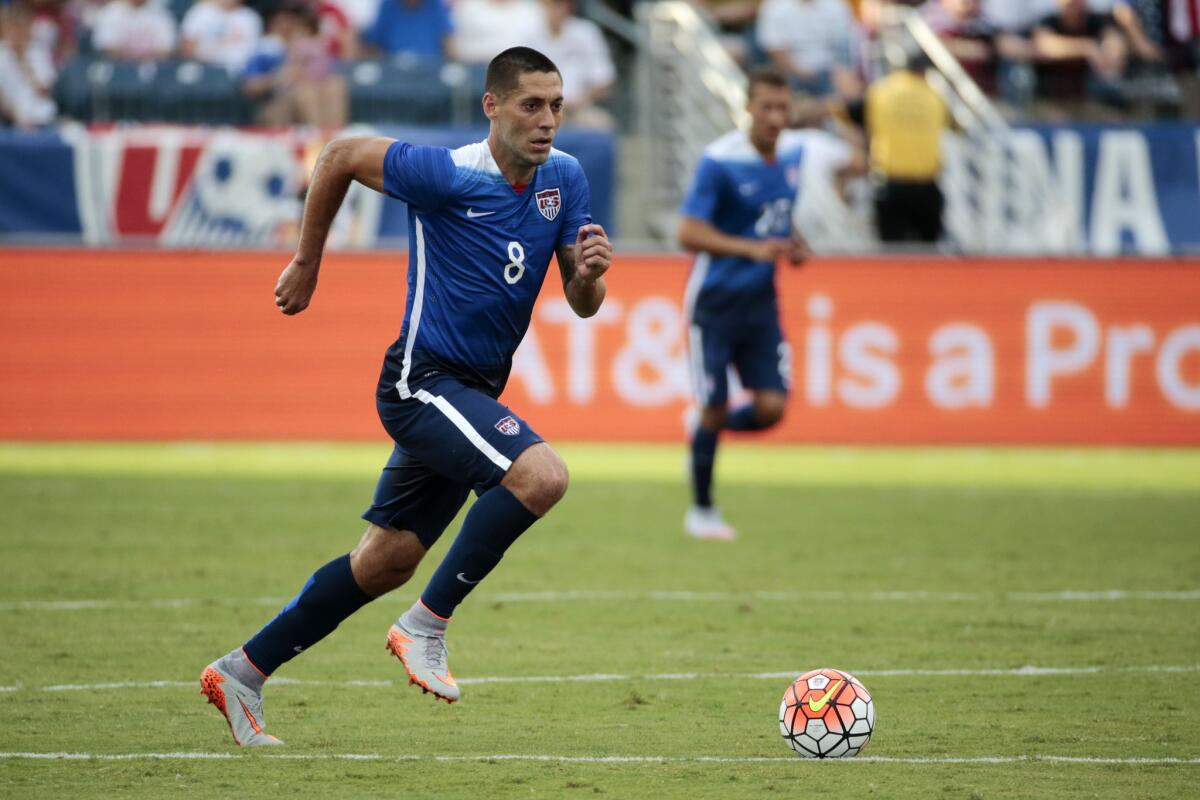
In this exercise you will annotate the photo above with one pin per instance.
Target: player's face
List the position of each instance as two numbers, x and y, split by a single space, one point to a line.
770 108
527 118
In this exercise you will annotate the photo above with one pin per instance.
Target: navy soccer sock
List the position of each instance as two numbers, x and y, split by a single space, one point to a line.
744 418
494 522
329 596
704 455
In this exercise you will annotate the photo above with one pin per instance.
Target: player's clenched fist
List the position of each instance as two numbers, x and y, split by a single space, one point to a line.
295 286
593 252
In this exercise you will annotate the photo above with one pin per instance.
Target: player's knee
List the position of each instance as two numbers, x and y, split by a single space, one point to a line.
772 413
712 418
538 478
770 408
551 480
385 559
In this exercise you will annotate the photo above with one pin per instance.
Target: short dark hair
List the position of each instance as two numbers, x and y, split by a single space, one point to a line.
767 76
505 70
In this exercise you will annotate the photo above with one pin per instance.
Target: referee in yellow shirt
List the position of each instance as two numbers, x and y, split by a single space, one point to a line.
905 119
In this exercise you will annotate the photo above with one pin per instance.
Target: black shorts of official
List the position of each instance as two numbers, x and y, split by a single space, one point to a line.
909 211
449 439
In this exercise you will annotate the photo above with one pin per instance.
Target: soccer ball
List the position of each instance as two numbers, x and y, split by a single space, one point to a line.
827 713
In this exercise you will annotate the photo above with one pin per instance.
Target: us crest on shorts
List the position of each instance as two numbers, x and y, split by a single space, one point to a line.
549 202
508 426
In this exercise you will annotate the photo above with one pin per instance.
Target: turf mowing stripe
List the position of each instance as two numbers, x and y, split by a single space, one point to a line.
1018 672
596 759
1061 596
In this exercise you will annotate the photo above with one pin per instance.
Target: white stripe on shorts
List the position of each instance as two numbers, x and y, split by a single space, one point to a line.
461 422
696 356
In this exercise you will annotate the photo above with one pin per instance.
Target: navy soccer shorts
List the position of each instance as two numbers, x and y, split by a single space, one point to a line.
758 351
449 439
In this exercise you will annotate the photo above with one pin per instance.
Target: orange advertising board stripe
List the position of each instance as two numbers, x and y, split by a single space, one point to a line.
188 345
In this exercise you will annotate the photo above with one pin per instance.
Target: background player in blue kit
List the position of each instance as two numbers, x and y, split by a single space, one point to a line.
737 218
485 220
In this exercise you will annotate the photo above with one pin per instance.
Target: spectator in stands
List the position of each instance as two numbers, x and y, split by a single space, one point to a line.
292 73
55 27
221 32
577 48
337 31
141 30
1183 23
905 119
814 42
26 71
968 35
735 23
1081 54
1141 22
482 28
420 28
1018 16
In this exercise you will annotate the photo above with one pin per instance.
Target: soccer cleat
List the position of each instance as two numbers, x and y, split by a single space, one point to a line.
707 523
241 706
425 660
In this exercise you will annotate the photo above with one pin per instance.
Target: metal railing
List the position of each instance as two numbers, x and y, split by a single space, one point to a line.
690 92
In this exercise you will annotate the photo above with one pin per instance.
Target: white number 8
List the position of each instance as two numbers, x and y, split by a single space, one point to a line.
515 267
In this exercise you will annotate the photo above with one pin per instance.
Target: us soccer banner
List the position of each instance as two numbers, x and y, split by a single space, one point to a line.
184 345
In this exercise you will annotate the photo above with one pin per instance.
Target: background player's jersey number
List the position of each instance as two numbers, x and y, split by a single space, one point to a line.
515 268
775 219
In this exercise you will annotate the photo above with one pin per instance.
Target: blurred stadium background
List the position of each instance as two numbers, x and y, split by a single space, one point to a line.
155 155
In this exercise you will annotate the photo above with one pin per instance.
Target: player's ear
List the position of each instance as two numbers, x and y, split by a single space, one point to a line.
490 105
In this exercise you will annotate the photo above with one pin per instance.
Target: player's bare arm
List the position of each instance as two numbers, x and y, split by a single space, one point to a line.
583 265
698 236
358 158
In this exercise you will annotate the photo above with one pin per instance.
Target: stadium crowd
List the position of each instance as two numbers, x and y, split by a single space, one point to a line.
1041 57
290 57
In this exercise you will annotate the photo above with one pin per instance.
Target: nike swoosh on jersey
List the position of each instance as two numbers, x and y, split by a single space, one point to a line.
473 214
463 578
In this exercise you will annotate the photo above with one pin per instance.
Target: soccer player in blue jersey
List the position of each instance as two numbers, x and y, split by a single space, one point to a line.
737 218
485 220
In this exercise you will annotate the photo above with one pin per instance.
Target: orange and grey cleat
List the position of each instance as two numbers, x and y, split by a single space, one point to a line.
241 705
425 660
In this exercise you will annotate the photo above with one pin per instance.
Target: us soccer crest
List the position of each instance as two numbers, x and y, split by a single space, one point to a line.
509 426
549 202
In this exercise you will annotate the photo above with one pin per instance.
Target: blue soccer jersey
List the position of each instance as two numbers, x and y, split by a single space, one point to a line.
740 193
478 254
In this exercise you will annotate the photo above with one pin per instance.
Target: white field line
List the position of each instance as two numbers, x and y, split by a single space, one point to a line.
1060 596
1018 672
771 760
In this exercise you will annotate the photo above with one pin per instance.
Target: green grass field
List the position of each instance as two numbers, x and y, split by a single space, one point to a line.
1027 621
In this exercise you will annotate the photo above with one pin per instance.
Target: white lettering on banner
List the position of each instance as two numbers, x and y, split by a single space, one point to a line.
874 380
1169 367
859 366
653 330
1124 198
818 349
963 371
1043 360
529 366
581 344
1123 344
